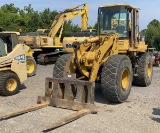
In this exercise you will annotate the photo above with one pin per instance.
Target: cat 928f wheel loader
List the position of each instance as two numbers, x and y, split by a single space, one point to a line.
115 58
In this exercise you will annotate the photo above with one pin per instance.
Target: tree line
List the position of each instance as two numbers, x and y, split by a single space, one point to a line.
13 18
152 34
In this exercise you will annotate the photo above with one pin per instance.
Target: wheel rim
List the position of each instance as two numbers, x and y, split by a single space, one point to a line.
149 69
11 84
125 78
30 66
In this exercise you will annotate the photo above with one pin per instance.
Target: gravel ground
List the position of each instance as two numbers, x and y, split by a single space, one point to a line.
141 112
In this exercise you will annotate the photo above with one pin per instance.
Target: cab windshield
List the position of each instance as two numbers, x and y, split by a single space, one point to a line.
113 20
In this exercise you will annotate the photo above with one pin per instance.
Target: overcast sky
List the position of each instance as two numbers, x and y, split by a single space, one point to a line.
150 9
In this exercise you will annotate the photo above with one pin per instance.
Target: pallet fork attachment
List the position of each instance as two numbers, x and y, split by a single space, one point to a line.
67 93
24 110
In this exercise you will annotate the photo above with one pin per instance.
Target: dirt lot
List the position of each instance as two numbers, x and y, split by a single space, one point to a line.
141 113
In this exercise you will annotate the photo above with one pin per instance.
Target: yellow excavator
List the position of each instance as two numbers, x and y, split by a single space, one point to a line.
115 58
46 42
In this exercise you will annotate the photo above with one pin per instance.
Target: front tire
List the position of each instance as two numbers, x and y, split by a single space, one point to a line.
9 84
62 66
116 78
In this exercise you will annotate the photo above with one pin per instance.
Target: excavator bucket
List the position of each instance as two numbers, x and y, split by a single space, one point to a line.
69 93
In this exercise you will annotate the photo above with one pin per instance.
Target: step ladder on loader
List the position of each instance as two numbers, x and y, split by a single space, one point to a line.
67 93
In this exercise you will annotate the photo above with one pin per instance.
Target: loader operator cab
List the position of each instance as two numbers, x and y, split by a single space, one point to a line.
7 42
121 19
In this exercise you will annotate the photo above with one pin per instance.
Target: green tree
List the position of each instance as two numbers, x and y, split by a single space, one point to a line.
12 19
152 34
143 32
9 17
46 18
69 27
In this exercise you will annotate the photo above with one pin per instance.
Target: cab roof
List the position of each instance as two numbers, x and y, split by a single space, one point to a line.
10 32
112 5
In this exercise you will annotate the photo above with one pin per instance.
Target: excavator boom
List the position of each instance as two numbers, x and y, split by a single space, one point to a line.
67 15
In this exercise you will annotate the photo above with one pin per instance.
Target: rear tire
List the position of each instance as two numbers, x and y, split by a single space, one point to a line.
116 78
62 66
9 84
144 70
31 66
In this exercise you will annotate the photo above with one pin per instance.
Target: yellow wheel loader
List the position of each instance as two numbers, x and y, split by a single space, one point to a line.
11 40
12 65
115 58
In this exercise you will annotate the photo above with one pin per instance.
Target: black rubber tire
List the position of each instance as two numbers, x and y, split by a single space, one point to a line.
3 79
31 59
61 66
142 78
111 78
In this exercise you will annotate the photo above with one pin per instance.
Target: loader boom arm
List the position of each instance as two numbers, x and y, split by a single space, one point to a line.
88 63
68 14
